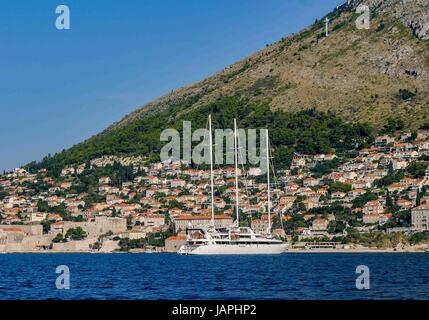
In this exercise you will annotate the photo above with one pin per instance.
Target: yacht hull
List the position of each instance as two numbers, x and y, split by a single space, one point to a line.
225 249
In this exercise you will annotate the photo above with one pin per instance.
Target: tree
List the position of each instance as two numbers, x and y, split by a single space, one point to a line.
298 206
46 226
405 94
417 169
58 238
418 237
126 244
129 222
418 198
3 194
296 221
97 245
325 167
413 136
332 227
391 204
361 200
391 172
277 223
389 179
76 234
338 186
392 125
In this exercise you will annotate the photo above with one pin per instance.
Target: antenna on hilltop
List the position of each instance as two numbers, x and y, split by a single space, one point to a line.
327 26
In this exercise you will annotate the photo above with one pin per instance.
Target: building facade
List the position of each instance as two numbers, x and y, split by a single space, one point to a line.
221 221
420 218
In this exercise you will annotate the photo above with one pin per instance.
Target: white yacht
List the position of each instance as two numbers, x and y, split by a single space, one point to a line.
203 240
242 240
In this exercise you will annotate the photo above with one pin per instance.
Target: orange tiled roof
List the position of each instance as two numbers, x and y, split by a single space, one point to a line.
203 217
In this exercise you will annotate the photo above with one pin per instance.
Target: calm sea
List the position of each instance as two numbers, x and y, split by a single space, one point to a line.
170 276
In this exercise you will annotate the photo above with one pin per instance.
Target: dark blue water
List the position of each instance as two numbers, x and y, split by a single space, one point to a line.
170 276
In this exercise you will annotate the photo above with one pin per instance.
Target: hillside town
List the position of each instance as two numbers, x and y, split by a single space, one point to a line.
370 198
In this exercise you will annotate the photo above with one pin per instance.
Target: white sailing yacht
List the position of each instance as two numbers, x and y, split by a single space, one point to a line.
236 239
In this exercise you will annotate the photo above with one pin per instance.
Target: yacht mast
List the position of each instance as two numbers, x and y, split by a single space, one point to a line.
236 174
211 170
268 183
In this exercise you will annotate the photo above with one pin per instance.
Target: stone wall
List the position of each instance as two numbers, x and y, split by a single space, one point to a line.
74 246
28 244
30 229
100 226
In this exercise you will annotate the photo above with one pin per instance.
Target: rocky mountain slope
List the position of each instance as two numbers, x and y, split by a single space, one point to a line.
363 75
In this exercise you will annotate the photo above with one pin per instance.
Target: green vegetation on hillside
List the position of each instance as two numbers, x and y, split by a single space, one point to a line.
307 131
325 167
3 194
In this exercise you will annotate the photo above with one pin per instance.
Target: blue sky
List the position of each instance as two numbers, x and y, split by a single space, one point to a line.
58 88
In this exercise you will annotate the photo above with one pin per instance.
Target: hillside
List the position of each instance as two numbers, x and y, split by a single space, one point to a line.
355 73
358 76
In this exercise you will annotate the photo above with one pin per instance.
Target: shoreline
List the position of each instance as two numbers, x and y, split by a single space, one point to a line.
369 250
300 251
